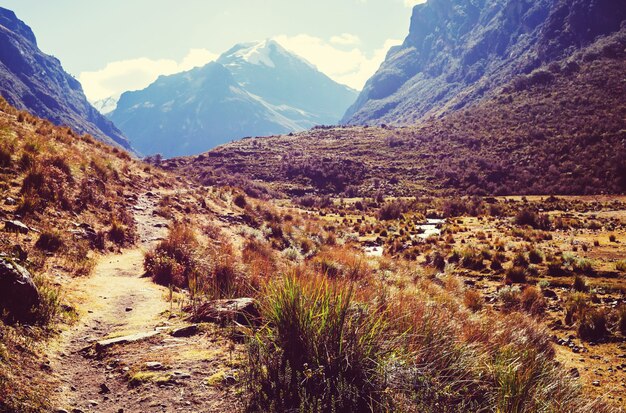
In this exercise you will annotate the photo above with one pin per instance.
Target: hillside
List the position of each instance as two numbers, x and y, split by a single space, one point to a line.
459 51
252 90
559 129
31 80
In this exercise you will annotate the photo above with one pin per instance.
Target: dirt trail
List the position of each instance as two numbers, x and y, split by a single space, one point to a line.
116 301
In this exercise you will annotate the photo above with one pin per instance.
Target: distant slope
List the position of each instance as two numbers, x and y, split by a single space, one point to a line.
458 51
253 89
559 130
33 81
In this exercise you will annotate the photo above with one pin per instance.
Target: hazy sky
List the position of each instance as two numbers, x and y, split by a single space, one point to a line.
117 45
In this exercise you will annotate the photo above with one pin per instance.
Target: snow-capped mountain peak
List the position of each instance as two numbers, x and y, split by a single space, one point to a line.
258 53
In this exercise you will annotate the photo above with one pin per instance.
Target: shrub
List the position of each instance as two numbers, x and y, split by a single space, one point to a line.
173 260
5 156
515 275
621 265
473 300
580 284
393 210
120 234
621 319
612 238
510 298
520 260
316 353
535 256
555 269
50 241
472 259
583 266
240 201
576 305
532 301
526 217
592 325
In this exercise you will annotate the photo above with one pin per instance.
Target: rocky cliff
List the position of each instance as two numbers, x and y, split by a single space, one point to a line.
458 51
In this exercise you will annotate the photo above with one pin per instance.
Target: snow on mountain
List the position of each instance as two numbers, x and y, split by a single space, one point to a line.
253 89
106 105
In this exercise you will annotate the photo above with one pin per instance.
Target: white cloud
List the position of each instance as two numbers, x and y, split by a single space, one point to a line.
411 3
120 76
352 67
345 39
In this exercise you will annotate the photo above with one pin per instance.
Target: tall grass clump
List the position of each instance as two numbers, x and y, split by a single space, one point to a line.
174 261
317 351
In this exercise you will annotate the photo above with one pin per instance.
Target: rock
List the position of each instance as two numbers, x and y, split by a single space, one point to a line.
104 344
61 411
596 383
18 293
240 310
187 331
574 372
104 389
154 366
10 201
129 309
181 375
93 402
16 227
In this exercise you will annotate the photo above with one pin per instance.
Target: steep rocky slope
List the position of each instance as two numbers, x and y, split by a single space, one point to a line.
458 51
252 90
560 129
31 80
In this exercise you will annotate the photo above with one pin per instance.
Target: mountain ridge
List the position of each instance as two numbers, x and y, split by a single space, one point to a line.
31 80
458 51
270 91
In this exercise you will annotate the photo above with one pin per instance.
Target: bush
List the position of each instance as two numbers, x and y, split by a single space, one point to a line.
576 305
120 234
393 210
580 284
510 298
173 261
535 256
473 300
316 353
50 241
472 259
592 325
520 260
240 201
5 156
621 265
621 319
532 301
515 275
526 217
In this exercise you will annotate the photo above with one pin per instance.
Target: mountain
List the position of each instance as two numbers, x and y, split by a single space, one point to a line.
253 89
458 51
560 129
268 70
106 105
33 81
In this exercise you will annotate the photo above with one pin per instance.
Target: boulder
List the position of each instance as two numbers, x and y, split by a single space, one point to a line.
16 227
240 310
18 293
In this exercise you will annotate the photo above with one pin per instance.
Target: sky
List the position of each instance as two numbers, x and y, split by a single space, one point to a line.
117 45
